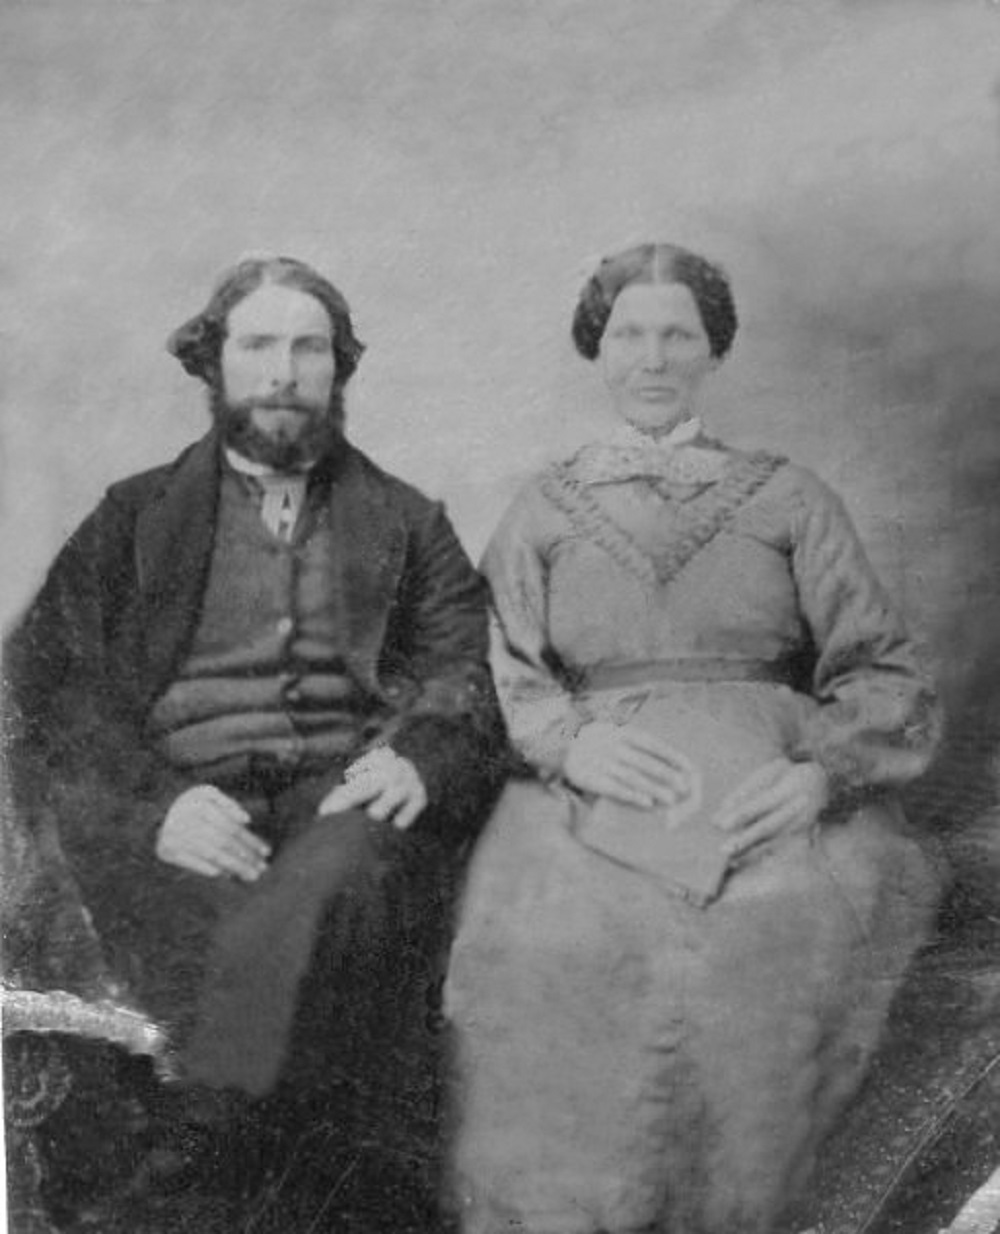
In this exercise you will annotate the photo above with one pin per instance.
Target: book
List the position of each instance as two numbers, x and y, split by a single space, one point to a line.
679 845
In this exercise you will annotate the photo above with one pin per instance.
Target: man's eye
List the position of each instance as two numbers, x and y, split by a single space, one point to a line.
254 342
314 346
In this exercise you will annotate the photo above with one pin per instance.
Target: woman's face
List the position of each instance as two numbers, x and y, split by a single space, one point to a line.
656 353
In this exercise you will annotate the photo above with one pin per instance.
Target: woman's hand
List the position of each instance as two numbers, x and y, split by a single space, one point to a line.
779 798
629 765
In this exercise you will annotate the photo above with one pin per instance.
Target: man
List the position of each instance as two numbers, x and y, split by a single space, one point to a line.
253 697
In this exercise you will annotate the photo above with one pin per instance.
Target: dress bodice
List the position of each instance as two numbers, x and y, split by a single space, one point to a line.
760 562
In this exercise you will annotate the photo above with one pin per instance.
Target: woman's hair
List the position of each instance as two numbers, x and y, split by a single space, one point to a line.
655 263
198 343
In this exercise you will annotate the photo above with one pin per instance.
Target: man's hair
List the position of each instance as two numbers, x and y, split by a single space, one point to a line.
655 263
198 343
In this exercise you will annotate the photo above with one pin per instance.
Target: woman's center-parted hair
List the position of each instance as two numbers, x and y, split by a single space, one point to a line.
198 342
655 263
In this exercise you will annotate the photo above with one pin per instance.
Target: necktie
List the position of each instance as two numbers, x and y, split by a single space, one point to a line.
282 502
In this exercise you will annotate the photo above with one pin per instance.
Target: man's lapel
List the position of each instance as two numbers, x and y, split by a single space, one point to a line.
369 545
174 536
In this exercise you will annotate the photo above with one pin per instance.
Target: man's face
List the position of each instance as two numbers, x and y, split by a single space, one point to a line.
278 371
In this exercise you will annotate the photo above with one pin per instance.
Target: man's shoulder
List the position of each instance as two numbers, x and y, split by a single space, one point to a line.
138 488
410 499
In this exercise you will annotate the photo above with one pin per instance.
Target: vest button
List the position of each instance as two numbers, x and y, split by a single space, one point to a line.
285 626
293 693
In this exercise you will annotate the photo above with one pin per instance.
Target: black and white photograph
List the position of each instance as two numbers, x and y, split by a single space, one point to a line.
501 616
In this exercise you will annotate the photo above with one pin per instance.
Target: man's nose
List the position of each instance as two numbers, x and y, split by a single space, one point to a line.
282 368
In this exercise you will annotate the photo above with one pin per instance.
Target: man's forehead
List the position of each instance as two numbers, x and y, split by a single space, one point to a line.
276 309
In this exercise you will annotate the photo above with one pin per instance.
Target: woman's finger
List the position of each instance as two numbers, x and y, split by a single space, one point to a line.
748 810
766 789
767 828
620 788
761 780
655 776
648 743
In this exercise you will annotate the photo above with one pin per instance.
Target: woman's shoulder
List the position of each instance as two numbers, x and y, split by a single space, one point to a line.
787 478
531 514
794 499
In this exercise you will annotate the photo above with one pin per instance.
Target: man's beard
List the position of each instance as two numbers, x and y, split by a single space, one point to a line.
320 434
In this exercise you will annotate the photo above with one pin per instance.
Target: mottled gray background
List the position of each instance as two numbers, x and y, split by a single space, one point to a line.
456 167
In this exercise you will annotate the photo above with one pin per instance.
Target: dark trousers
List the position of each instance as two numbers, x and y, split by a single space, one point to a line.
287 980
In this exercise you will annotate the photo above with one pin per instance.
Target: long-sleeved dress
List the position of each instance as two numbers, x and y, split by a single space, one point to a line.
643 1043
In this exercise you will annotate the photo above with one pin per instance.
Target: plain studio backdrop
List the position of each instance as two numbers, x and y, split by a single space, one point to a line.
457 167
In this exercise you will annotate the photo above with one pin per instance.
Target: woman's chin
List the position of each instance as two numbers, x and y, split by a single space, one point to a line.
655 418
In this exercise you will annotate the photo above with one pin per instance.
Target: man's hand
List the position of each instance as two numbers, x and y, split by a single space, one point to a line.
779 798
629 765
207 832
387 785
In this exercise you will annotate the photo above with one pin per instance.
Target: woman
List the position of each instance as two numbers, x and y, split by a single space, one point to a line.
680 939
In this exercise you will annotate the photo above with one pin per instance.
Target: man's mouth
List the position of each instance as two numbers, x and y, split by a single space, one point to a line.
279 405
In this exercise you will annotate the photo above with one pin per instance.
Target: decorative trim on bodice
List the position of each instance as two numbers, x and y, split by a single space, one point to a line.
695 523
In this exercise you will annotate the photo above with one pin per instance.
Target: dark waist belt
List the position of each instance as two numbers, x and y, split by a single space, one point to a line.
647 672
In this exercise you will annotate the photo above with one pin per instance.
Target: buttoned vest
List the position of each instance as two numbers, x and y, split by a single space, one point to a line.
265 674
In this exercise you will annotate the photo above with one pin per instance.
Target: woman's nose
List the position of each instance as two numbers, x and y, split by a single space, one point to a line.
655 352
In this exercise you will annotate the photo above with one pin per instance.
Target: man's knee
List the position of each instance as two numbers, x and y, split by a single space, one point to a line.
333 847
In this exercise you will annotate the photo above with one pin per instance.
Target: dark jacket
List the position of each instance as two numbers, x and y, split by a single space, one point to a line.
119 608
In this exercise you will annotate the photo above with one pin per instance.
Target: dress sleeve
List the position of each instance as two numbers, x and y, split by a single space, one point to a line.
542 716
878 723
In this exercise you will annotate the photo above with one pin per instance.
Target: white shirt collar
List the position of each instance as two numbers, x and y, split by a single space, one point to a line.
248 467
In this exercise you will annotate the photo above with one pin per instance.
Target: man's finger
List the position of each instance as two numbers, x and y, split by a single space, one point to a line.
229 846
349 796
246 871
388 802
197 865
410 811
230 808
223 861
223 831
230 858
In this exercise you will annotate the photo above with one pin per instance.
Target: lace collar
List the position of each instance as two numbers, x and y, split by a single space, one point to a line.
682 457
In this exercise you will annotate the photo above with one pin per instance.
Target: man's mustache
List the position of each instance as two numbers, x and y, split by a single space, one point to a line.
274 403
